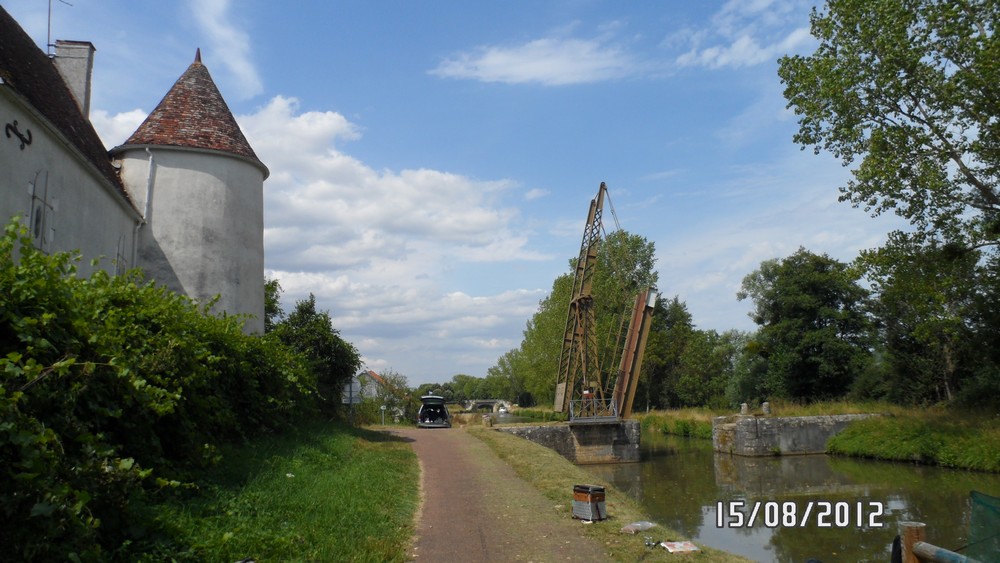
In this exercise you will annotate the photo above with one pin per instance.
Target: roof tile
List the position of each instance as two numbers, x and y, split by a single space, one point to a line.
30 72
193 114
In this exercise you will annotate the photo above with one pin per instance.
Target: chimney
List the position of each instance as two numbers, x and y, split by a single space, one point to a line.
75 62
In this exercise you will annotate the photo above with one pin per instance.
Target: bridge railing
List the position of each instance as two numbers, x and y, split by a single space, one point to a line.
592 409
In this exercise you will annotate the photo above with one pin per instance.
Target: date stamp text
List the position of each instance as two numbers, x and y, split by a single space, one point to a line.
789 514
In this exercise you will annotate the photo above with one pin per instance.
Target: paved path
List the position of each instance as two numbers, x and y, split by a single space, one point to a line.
475 508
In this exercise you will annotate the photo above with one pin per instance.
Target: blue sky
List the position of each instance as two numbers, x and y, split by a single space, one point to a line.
432 162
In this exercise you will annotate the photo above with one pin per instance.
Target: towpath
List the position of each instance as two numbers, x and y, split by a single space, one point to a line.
474 507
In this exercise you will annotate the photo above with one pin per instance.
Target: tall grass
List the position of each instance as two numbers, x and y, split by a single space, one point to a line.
688 422
790 408
323 493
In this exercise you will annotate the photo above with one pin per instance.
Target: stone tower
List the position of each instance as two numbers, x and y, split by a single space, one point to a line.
200 189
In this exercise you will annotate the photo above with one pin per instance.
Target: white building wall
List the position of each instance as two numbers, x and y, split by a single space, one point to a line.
55 189
205 231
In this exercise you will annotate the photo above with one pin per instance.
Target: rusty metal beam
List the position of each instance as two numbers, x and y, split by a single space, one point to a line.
578 363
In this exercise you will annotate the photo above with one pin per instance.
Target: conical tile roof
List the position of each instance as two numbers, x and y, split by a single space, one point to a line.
193 114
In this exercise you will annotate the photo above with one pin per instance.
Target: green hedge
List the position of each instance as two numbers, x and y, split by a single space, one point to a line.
109 388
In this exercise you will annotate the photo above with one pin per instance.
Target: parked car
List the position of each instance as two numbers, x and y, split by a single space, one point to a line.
433 413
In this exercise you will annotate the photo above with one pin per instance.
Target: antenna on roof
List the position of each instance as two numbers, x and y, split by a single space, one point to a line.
49 44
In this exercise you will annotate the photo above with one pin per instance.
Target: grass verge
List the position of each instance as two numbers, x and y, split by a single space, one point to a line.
934 436
325 492
938 436
555 477
542 415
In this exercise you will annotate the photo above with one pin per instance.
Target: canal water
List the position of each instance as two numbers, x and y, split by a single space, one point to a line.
808 507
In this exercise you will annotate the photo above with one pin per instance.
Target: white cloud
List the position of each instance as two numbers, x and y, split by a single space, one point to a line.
661 175
745 33
378 248
116 129
230 45
535 193
705 266
550 61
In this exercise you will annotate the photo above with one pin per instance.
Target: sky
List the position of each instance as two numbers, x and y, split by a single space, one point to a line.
432 163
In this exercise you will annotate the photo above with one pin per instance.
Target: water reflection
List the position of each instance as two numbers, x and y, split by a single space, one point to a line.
681 482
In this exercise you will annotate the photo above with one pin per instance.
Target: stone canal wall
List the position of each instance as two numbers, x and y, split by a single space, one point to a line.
583 444
766 436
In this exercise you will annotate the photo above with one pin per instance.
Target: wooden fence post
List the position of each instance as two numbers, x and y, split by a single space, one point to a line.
911 533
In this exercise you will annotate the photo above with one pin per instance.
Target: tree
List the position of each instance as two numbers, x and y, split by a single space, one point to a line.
536 360
912 89
390 390
625 265
926 301
669 332
983 388
625 268
747 369
685 366
331 358
507 382
273 312
814 332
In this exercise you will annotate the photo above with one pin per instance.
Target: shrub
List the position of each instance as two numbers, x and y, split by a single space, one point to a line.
103 379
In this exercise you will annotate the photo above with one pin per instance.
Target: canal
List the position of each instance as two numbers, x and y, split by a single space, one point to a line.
681 483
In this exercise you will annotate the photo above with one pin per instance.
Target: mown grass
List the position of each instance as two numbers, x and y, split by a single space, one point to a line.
555 477
326 492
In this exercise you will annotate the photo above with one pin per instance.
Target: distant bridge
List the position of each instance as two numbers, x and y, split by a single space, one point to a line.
492 405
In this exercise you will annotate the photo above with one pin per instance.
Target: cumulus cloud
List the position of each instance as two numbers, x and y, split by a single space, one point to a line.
377 247
229 44
551 61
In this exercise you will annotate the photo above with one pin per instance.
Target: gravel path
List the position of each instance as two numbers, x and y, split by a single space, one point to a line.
475 508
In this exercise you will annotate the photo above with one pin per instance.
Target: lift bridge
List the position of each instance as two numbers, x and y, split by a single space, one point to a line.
597 385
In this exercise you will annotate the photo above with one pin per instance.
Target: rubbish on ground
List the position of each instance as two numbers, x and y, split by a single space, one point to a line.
679 546
640 526
588 502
